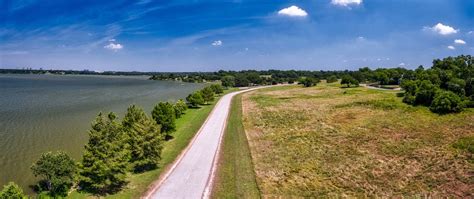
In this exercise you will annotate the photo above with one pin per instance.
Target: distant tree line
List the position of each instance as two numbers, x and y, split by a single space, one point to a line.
115 148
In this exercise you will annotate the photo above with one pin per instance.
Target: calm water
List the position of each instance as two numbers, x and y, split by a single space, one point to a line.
40 113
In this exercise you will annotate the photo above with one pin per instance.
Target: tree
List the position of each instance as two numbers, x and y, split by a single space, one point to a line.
144 138
57 171
446 102
309 81
228 81
241 80
207 94
349 80
217 88
179 108
12 191
164 114
106 157
331 79
195 99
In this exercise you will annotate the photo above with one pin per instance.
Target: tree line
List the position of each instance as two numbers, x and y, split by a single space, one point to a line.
445 87
115 149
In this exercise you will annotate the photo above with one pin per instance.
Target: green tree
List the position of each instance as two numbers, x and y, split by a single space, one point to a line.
446 102
349 80
195 99
309 81
241 80
207 94
180 108
144 139
57 171
12 191
425 93
331 79
106 157
228 81
164 114
217 88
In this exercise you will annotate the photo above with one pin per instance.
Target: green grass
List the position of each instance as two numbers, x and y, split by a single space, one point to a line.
235 174
187 126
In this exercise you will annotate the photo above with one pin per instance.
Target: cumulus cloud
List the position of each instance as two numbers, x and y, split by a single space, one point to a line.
443 29
402 64
346 2
459 41
217 43
451 47
293 11
114 46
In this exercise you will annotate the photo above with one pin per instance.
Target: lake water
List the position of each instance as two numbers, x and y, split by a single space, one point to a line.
40 113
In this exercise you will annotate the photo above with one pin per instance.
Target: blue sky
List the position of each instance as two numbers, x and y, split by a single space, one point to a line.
209 35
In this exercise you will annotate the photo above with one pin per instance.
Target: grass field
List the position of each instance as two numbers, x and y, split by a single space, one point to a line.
186 126
235 176
356 142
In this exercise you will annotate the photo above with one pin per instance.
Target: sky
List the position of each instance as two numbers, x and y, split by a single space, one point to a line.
211 35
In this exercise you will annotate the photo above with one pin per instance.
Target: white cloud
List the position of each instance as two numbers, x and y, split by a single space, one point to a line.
217 43
402 64
293 11
443 29
346 2
114 46
459 41
111 40
451 48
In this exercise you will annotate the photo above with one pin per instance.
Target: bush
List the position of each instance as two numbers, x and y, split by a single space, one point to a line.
446 102
331 79
349 80
11 191
309 81
409 98
425 93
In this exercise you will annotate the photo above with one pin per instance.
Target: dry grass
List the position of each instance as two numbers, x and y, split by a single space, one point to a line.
328 141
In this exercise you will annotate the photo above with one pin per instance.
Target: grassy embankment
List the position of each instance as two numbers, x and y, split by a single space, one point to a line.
355 142
235 177
186 126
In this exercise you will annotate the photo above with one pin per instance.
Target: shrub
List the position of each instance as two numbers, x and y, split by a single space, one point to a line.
349 80
309 81
12 191
331 79
425 93
409 98
446 102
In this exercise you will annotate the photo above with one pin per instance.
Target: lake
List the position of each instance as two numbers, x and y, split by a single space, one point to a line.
40 113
